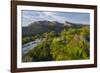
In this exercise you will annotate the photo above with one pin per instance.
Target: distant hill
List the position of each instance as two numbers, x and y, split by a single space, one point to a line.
39 27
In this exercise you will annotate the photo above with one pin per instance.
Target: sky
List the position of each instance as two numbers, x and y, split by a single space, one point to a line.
29 16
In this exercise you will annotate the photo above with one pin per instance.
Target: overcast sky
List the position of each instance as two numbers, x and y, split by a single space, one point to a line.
29 16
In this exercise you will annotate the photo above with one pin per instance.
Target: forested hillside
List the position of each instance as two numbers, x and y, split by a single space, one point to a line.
58 41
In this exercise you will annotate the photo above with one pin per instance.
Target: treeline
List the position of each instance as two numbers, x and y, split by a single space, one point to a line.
69 44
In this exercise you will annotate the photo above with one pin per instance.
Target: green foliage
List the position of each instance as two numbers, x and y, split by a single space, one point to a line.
25 40
57 49
85 31
27 58
29 39
78 48
70 44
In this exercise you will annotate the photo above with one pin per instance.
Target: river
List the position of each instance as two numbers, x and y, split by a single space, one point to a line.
29 46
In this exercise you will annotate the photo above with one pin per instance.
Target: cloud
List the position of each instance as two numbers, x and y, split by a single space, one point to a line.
29 16
54 16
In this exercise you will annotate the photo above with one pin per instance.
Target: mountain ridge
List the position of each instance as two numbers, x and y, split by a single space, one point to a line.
39 27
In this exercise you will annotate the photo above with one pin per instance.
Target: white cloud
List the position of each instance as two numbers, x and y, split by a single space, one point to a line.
31 16
54 16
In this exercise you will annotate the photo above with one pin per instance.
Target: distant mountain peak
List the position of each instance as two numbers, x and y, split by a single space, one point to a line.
39 27
67 23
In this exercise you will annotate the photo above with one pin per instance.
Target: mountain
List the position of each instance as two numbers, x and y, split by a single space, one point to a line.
38 27
70 24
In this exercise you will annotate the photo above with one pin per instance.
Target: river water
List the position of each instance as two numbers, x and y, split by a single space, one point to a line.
29 46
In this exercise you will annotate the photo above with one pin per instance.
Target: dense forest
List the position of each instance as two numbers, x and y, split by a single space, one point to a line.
69 43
